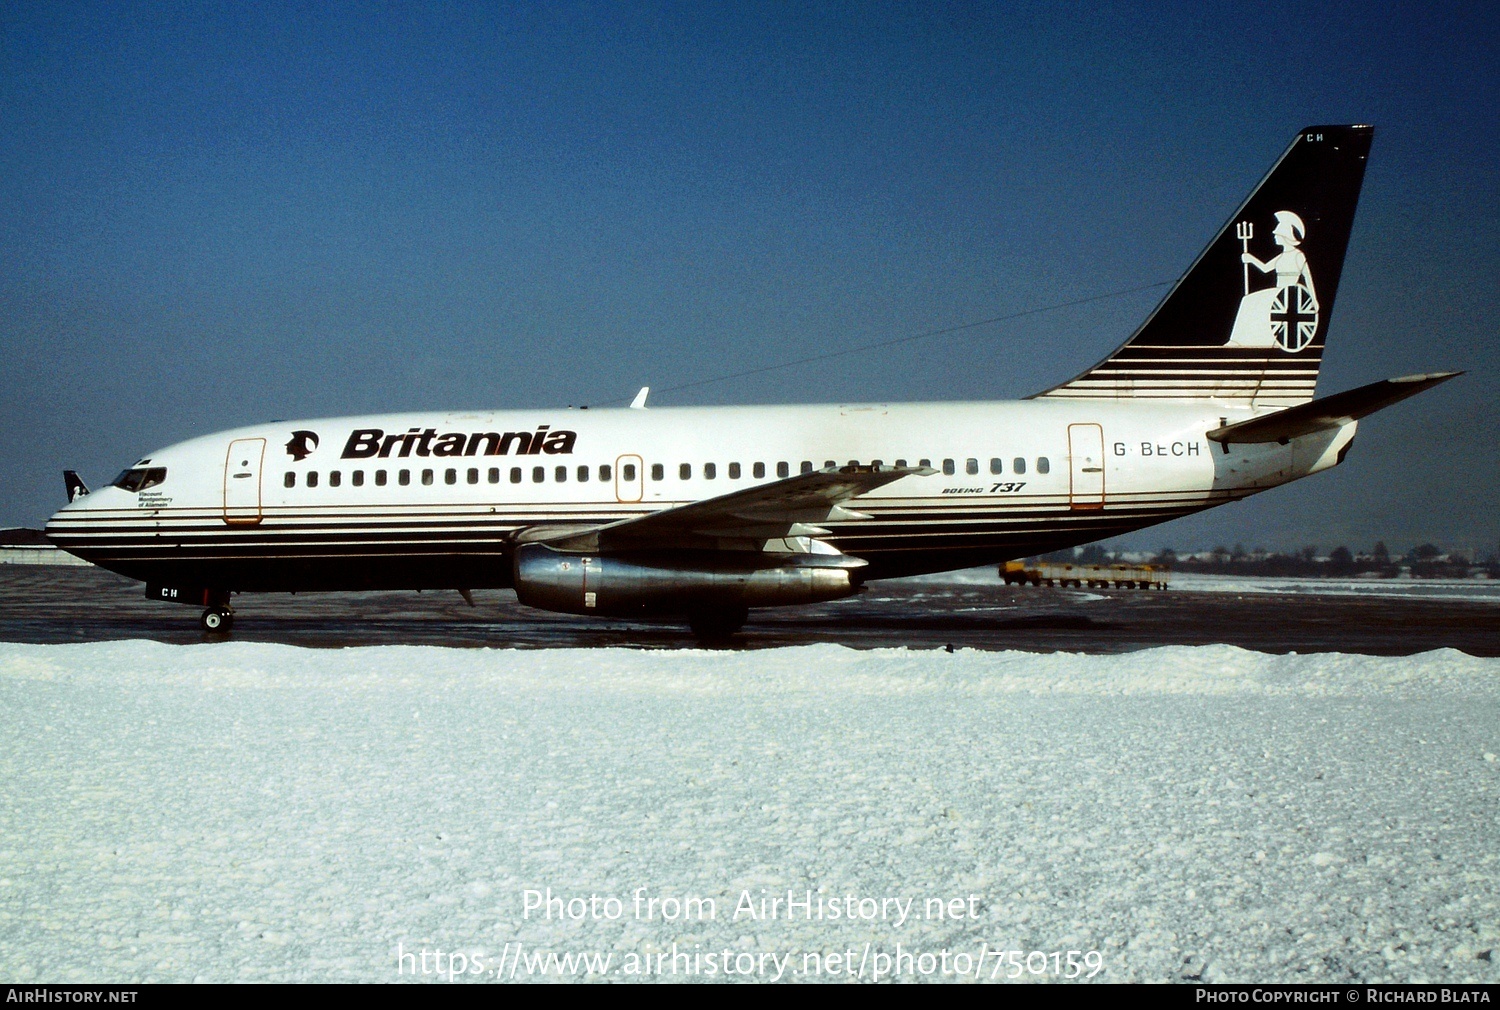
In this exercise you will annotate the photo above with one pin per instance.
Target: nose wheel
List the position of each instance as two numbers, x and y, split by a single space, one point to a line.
216 621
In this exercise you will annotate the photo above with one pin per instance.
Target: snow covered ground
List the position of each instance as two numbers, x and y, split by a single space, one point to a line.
1477 590
264 812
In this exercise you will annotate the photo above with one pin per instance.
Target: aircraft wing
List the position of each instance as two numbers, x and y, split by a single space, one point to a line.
793 507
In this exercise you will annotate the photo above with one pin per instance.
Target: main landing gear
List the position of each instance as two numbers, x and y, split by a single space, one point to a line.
716 627
217 620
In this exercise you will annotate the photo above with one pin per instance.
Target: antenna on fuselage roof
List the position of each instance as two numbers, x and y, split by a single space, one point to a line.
639 403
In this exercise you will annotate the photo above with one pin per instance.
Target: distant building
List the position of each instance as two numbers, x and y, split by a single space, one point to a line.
22 546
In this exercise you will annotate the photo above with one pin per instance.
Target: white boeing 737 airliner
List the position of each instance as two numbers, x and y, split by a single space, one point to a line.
704 513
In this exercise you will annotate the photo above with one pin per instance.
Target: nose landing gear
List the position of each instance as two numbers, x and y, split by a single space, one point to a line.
217 620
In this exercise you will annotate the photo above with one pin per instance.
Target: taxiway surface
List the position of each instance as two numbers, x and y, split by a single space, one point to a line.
63 604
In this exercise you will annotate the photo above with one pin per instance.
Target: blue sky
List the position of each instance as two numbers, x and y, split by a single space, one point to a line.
215 215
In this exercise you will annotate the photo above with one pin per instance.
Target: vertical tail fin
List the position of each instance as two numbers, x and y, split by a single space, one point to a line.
1246 323
74 485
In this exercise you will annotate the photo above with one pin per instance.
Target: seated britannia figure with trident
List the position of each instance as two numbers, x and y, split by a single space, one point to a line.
1284 315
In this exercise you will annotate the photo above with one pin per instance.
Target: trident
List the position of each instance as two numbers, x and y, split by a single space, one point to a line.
1245 231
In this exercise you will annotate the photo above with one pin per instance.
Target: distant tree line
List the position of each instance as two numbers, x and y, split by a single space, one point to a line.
1424 561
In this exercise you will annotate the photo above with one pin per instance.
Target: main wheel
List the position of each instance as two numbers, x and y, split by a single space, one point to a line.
717 625
216 620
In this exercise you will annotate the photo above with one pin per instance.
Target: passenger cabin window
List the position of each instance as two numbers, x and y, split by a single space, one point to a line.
900 462
494 475
403 477
538 474
829 464
357 478
627 472
783 470
335 478
450 476
971 466
583 474
924 462
426 478
685 471
515 475
1043 465
949 468
1018 465
710 471
658 471
138 479
561 474
473 475
734 471
312 478
996 465
290 480
807 466
380 478
604 472
758 471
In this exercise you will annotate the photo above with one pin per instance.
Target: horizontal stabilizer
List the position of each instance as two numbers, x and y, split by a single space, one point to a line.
1329 412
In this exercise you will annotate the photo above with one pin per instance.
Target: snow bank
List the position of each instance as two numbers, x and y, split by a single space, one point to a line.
1468 590
816 670
252 811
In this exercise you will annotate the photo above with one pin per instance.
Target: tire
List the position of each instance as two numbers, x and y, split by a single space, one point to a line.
216 622
717 626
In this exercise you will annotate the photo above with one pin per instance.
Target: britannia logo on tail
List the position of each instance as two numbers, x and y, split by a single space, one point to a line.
1284 315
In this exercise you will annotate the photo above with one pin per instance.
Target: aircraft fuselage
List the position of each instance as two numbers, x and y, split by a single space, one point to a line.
422 501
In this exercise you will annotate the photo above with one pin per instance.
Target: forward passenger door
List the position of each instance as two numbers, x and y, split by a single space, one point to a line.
242 469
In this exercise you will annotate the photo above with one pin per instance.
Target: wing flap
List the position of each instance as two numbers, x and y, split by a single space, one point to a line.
785 509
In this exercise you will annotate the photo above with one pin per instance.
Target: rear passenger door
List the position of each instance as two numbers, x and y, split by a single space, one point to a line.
1086 466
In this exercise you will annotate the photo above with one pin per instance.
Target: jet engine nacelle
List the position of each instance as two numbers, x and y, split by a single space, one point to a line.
677 582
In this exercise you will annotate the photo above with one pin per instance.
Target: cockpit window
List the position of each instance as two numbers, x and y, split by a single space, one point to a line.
140 478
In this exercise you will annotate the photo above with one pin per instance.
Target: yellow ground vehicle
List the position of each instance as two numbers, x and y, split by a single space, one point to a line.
1120 576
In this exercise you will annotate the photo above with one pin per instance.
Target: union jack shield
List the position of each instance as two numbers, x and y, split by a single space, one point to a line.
1294 318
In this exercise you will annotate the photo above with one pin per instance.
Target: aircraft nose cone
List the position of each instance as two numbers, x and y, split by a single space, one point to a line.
62 529
55 524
